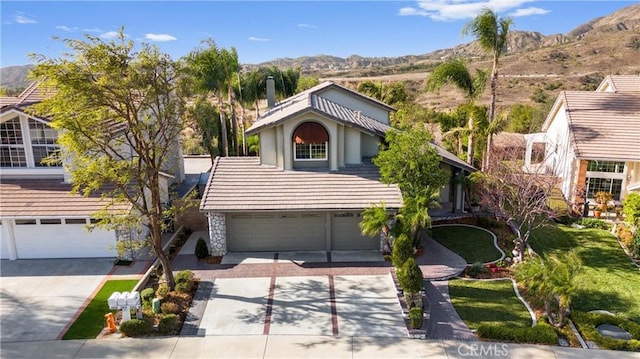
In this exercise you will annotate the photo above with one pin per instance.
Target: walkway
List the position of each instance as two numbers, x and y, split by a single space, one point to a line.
438 262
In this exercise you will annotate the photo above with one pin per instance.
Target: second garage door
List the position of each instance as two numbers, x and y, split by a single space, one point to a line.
275 232
346 234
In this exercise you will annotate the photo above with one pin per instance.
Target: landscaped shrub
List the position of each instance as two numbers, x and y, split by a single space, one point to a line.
624 234
631 208
183 276
170 308
476 269
402 250
163 290
587 324
168 323
634 246
136 327
147 295
412 299
202 250
594 223
184 287
410 276
415 317
542 333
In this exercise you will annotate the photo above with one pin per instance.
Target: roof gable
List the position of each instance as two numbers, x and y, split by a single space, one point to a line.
620 83
602 125
312 100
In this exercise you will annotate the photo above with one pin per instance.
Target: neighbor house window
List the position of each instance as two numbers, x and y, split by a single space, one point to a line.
594 185
43 142
310 142
605 166
12 152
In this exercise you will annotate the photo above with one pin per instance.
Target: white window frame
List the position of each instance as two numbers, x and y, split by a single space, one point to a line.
326 152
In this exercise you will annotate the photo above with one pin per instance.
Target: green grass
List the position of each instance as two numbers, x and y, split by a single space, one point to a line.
481 302
473 244
91 320
608 281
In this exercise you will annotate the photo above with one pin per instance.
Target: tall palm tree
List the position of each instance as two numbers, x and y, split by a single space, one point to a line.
492 33
456 72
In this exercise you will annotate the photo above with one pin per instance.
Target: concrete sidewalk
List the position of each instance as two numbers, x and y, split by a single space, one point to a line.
289 346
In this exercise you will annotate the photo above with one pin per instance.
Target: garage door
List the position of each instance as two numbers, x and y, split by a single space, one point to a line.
62 241
275 232
346 234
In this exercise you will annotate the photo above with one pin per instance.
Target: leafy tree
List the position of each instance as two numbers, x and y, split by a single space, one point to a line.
390 93
306 82
455 72
119 114
202 117
553 280
492 33
412 163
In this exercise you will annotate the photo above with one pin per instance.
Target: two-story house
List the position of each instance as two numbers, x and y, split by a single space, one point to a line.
39 216
591 140
313 178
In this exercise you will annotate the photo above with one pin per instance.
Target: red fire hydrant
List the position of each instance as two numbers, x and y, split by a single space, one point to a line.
111 323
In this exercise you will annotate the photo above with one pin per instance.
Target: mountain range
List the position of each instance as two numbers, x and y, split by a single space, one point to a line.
605 45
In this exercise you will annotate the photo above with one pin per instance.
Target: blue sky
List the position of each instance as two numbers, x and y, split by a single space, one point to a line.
265 30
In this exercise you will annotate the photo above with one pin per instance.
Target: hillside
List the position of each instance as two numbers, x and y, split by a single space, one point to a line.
533 63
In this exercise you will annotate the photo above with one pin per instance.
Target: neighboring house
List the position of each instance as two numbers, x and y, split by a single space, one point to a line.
39 216
313 179
592 140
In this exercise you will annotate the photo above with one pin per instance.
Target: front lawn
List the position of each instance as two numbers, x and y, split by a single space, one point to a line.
473 244
488 302
608 281
91 320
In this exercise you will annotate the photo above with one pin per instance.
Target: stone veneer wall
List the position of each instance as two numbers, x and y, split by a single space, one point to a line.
217 234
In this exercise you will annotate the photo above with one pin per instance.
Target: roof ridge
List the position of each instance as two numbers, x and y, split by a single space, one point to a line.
29 90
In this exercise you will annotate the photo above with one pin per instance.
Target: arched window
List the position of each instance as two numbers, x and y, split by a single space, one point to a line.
310 141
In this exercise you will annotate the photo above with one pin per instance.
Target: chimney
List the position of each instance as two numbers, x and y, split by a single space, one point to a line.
271 92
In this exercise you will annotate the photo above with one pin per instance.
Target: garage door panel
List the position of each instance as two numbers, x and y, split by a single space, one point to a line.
346 233
63 241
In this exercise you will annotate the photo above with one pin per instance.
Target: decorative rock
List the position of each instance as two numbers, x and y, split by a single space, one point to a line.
601 311
563 342
613 331
591 345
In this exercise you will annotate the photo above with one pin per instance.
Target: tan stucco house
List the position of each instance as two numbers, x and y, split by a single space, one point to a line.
592 140
313 178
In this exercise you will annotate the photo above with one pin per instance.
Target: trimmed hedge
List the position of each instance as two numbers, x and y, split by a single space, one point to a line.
402 250
168 323
147 295
542 333
587 324
410 276
415 316
202 251
136 327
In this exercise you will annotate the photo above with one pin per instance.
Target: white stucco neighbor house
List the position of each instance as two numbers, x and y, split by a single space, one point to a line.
313 178
39 217
592 140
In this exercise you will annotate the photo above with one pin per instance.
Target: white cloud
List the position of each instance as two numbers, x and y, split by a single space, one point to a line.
253 38
447 10
109 35
21 18
66 28
94 29
307 26
160 37
529 11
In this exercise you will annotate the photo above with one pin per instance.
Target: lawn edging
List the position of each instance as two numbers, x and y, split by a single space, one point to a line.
534 320
495 239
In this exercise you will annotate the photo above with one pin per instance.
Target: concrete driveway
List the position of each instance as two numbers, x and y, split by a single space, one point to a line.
38 297
351 305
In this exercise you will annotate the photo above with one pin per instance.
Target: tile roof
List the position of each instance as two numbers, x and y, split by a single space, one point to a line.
46 198
451 159
242 184
603 125
312 100
620 83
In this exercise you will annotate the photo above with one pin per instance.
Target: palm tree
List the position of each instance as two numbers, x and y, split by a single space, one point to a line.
456 72
375 223
492 33
414 215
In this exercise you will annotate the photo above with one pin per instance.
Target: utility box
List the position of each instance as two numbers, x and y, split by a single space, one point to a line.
113 300
155 304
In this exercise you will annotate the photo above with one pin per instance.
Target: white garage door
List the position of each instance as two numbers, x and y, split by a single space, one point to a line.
275 232
346 234
62 241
